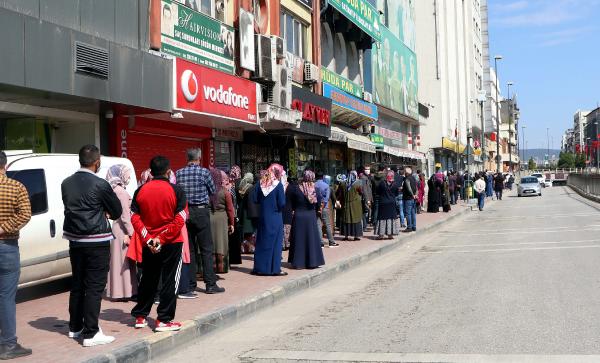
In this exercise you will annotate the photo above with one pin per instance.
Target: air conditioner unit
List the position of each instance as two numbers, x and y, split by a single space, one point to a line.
311 73
281 94
368 96
265 62
278 47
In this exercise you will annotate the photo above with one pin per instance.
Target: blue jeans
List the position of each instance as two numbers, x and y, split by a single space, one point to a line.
481 200
10 269
410 210
400 203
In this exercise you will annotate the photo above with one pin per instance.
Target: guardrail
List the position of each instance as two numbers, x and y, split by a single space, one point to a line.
587 183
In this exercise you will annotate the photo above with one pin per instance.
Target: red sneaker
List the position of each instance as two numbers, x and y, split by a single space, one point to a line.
140 322
168 326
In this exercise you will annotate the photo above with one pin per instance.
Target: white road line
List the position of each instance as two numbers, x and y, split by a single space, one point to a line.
523 232
314 356
513 249
516 243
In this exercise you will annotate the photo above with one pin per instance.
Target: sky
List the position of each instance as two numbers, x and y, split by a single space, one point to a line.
551 51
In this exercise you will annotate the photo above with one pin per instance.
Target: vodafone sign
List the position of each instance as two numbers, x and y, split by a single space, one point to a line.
203 90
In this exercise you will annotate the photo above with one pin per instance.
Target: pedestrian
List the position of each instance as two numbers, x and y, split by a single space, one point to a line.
421 192
340 196
323 196
352 208
399 179
489 185
159 212
222 220
445 196
367 197
88 200
452 187
480 190
235 239
388 221
269 235
409 195
122 282
287 210
305 238
15 213
434 195
248 213
499 185
379 177
460 185
198 187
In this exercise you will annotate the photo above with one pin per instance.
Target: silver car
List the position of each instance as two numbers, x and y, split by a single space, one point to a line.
529 186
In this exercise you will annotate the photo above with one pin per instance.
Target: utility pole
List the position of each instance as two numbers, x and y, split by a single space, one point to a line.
548 141
496 59
510 115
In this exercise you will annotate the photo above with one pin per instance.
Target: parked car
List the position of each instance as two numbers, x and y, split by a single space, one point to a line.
44 253
548 183
529 185
540 177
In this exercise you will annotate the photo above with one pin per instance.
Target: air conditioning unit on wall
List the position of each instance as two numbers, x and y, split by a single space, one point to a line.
311 73
281 92
265 59
278 47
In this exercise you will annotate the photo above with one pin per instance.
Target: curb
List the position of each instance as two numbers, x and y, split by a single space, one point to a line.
159 344
584 194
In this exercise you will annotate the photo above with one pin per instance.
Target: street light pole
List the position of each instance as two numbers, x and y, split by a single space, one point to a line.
548 141
510 106
496 59
523 132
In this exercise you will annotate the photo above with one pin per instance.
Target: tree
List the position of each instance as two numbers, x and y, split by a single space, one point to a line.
531 165
566 160
580 161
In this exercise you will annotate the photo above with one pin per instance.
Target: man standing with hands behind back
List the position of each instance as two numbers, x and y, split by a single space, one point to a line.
88 200
15 212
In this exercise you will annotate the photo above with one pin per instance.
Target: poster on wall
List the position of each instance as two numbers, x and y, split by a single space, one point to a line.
198 38
395 75
401 20
247 60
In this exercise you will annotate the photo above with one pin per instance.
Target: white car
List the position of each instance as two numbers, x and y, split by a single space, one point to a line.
44 253
547 183
540 177
529 186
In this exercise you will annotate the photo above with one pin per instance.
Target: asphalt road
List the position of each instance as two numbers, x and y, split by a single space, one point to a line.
518 282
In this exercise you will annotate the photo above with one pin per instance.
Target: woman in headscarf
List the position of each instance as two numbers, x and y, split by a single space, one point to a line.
434 196
446 194
421 192
287 210
270 195
388 222
305 247
340 195
122 281
221 219
248 213
235 239
352 210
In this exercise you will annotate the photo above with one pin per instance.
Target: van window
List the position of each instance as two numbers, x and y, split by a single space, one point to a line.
34 181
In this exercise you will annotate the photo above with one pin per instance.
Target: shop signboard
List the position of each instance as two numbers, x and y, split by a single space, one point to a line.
342 99
228 134
205 91
193 36
395 80
362 146
315 109
340 82
361 13
377 139
452 146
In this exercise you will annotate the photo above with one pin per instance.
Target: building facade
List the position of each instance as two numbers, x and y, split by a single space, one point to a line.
579 126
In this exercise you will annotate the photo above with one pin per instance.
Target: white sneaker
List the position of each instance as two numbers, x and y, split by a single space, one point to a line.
98 339
75 334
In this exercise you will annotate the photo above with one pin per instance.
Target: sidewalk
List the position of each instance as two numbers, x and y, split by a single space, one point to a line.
42 324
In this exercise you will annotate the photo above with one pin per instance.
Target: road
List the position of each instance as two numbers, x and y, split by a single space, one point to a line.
518 282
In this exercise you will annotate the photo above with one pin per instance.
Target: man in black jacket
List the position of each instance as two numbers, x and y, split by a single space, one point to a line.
88 200
409 197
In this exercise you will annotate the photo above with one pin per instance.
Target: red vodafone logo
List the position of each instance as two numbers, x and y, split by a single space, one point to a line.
189 85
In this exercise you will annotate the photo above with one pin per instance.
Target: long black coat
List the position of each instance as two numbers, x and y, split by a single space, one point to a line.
387 194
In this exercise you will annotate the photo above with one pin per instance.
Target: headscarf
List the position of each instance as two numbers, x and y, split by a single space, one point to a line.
390 176
246 183
327 179
225 182
235 173
118 174
271 178
341 178
218 181
352 178
146 176
308 186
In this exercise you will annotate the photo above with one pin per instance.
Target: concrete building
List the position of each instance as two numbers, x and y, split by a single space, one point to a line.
510 115
567 142
579 125
451 76
592 141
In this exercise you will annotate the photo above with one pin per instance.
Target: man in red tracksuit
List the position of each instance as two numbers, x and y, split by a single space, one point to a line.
159 211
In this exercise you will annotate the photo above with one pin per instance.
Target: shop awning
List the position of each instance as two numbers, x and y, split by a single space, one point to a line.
349 110
404 153
353 138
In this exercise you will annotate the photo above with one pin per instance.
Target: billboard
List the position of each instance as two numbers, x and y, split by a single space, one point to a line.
401 20
395 80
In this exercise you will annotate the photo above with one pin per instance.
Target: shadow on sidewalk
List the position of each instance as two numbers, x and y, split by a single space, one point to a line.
51 324
117 315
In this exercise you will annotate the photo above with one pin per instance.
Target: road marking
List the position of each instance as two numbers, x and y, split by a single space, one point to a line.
515 243
524 232
424 249
314 356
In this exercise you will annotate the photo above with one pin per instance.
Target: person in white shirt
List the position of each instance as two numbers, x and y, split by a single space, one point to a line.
480 189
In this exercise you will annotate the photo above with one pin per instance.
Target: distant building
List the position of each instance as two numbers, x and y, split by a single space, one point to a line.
567 143
579 124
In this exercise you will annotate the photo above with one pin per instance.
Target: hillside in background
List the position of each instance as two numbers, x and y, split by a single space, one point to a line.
540 153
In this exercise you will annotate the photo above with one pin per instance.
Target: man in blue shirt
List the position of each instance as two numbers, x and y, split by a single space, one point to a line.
198 186
323 195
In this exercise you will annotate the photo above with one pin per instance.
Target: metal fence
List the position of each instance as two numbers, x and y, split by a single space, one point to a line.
586 182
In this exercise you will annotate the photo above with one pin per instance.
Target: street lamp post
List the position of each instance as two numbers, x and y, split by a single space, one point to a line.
548 141
496 59
523 132
510 107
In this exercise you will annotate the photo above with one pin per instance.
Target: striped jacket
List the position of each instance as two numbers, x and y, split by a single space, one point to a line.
15 208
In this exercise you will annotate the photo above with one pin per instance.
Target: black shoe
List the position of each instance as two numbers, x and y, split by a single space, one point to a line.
333 244
414 229
13 351
407 230
214 289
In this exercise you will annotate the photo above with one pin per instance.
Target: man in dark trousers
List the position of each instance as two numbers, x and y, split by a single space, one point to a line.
88 200
159 212
409 196
198 185
15 212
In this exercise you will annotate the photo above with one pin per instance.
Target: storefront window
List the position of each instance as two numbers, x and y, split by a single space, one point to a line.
222 155
25 134
311 154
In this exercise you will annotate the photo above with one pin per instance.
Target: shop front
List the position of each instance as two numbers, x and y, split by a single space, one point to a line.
451 155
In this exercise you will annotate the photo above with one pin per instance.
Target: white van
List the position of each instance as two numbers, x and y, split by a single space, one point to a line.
44 253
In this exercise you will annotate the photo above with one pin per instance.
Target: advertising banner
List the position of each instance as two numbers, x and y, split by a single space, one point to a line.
361 13
395 75
193 36
340 82
203 90
342 99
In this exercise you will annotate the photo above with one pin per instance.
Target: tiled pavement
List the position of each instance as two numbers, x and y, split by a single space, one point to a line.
42 322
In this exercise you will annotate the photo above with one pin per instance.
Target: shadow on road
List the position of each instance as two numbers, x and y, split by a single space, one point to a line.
43 290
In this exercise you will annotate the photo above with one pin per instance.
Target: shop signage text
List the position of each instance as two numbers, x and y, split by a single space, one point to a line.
222 94
340 82
377 140
361 13
342 99
390 134
191 35
228 134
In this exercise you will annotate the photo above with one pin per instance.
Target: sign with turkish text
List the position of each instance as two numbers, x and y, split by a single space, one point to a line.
228 134
340 82
361 13
377 139
193 36
342 99
315 110
206 91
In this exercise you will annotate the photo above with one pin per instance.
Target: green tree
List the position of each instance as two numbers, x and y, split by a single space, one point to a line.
580 161
531 165
566 160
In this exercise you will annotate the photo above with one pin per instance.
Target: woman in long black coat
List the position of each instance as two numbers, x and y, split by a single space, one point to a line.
434 196
388 221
